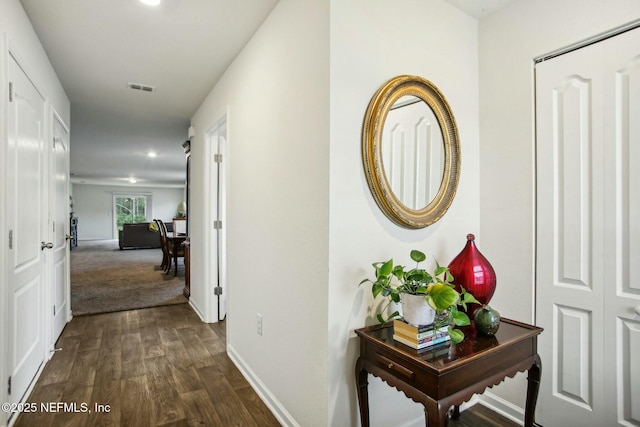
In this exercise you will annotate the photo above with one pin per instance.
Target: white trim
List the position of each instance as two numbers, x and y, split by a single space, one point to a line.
274 405
210 236
591 40
502 407
197 309
419 421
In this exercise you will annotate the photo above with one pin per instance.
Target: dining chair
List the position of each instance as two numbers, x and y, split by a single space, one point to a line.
166 260
174 250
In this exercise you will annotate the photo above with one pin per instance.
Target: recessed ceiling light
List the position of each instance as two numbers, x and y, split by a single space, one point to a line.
133 180
151 2
152 154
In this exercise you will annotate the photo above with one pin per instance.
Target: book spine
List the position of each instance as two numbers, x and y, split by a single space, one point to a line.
418 346
421 335
431 337
434 342
410 329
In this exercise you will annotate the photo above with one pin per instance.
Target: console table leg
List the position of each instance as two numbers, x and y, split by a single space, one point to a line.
363 392
456 412
434 414
533 385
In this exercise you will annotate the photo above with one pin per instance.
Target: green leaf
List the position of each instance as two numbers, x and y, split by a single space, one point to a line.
461 319
456 335
440 269
442 296
418 256
398 271
380 318
419 276
385 269
376 289
364 281
468 299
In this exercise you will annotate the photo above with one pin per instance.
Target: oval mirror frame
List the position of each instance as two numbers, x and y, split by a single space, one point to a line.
374 121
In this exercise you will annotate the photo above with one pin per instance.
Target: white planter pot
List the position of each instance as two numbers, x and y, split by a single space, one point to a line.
416 311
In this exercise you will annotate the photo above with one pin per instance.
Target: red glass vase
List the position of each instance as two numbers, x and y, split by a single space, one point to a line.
471 270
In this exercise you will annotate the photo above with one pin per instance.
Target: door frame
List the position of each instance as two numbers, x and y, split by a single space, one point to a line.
210 200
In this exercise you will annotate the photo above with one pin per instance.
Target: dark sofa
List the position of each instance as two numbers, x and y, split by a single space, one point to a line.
138 235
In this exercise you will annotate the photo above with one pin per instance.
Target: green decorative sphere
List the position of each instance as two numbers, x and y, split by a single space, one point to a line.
487 320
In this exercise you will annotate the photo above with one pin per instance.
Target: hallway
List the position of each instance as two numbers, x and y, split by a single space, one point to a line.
151 367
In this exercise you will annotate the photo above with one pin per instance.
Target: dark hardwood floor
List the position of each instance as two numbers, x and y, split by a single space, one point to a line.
157 367
152 367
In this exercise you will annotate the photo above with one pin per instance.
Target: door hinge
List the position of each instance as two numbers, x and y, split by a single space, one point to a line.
217 224
217 158
217 290
10 239
9 386
54 311
10 91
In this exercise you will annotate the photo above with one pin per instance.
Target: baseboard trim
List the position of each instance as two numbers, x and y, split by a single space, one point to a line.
197 310
274 405
502 407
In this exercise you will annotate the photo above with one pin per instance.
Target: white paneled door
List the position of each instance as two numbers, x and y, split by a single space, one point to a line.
26 222
588 234
60 194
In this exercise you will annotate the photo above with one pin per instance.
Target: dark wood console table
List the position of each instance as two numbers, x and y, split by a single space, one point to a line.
448 376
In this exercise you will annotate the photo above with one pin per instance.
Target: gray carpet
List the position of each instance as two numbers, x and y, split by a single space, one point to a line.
106 279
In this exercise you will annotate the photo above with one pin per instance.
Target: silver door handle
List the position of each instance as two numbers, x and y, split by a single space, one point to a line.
67 237
45 245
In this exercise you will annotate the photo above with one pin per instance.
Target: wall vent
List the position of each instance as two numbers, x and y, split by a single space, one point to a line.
143 88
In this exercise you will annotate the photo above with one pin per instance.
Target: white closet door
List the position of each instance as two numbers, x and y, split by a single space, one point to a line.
586 102
622 228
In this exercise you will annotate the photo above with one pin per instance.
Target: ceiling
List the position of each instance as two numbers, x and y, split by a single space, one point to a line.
97 47
181 48
479 8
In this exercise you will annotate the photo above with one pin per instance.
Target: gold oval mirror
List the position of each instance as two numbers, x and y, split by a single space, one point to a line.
411 151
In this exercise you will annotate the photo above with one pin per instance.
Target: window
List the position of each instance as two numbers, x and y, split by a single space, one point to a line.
130 208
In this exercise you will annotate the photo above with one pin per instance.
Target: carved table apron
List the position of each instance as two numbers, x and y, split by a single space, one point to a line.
447 376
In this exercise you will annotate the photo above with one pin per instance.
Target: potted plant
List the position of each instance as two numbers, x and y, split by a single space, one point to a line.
434 291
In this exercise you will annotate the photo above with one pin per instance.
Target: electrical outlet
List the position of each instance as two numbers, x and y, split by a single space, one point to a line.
259 323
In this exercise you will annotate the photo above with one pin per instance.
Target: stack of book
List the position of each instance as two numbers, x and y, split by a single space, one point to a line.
419 337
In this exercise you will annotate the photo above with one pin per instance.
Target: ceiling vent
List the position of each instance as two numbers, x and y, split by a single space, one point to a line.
143 88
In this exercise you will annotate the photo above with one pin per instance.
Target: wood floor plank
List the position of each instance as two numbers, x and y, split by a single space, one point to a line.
135 409
256 407
57 370
228 405
132 355
162 391
199 356
199 409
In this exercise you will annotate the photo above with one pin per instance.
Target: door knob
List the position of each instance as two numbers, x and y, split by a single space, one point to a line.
45 245
67 237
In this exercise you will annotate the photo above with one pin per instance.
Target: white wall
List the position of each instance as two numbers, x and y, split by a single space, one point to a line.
93 205
276 94
509 40
15 26
372 41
